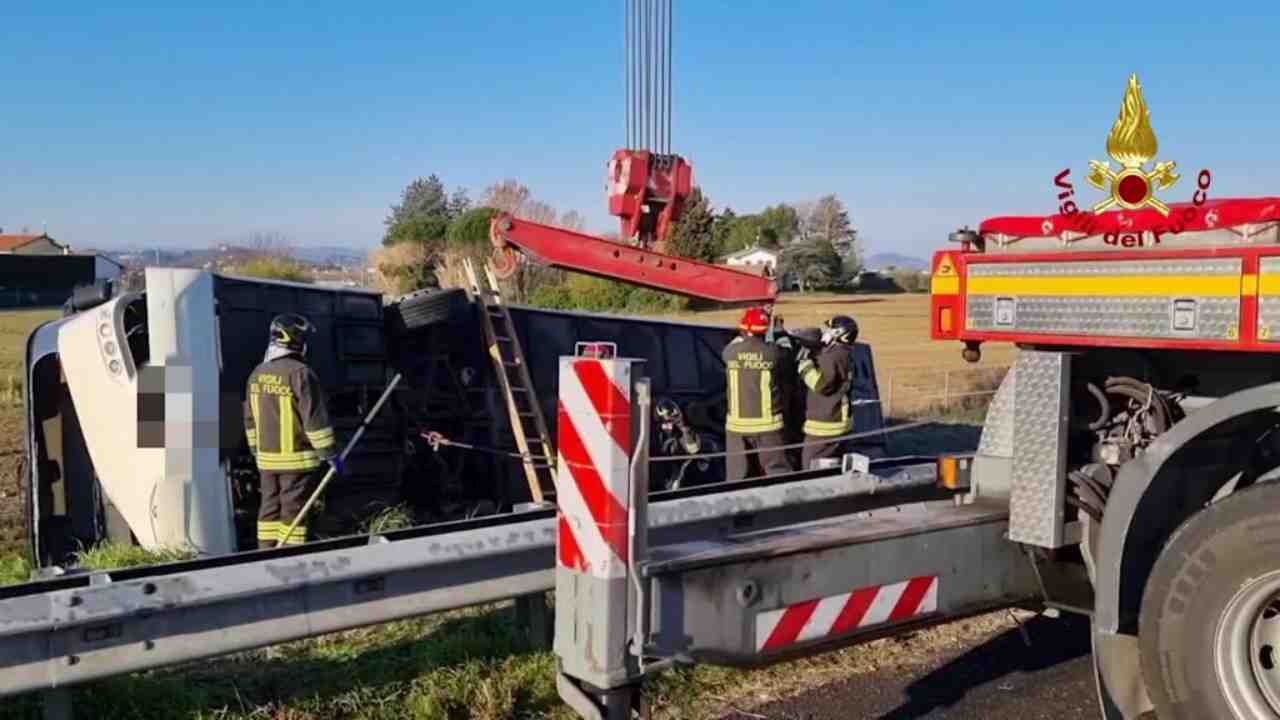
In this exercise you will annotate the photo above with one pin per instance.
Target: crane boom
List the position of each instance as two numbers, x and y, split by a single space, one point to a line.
579 252
648 186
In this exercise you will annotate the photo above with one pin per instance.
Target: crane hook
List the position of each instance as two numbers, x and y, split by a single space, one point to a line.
503 256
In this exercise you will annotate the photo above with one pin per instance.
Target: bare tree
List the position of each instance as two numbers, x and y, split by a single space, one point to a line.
508 196
573 220
514 197
269 243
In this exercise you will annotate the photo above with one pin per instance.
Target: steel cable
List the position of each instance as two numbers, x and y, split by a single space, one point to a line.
437 440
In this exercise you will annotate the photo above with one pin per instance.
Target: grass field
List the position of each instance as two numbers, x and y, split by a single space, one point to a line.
473 664
15 327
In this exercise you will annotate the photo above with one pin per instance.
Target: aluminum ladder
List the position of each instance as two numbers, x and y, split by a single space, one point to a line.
527 423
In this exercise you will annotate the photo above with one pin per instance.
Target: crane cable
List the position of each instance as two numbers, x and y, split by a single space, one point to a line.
648 53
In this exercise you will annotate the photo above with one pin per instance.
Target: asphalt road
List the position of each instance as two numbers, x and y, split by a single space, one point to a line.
992 678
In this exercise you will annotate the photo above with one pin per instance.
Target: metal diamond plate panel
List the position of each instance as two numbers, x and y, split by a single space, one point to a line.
1268 304
997 430
1213 317
1038 483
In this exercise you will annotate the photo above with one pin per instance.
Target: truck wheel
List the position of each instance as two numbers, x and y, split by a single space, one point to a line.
428 307
1210 621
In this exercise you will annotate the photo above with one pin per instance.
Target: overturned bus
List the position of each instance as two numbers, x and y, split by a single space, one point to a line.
135 429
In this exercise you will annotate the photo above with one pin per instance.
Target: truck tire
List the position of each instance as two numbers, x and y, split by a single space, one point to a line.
1209 628
427 307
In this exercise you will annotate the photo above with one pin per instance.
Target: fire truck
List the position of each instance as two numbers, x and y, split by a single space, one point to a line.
1124 473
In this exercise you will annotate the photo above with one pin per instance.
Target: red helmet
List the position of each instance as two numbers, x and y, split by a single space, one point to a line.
754 321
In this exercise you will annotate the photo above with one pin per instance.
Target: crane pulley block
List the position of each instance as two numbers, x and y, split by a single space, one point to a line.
647 192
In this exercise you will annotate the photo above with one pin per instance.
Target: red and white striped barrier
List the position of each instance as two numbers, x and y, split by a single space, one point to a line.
593 455
844 613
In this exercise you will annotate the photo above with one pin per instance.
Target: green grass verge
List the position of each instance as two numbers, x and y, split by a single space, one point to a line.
14 569
466 664
112 556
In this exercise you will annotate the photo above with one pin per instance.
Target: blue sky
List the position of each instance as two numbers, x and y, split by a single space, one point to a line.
156 125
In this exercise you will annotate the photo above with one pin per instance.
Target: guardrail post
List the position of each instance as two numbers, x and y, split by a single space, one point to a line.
534 620
56 704
599 427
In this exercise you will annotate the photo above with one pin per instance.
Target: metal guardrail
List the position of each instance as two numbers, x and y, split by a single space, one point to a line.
79 628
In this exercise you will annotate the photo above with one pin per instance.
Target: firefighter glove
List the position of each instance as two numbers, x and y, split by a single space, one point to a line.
805 366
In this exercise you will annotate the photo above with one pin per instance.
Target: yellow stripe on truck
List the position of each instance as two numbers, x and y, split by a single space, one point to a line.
1269 284
1111 285
1248 284
945 285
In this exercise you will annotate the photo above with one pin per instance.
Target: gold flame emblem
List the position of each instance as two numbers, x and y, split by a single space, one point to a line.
1132 143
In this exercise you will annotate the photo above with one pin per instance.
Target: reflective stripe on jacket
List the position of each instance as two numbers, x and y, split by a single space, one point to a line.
285 418
753 368
829 379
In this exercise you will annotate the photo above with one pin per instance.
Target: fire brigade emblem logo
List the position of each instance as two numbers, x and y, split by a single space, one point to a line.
1132 143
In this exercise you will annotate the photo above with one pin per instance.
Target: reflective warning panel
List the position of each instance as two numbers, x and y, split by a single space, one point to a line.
945 281
1177 299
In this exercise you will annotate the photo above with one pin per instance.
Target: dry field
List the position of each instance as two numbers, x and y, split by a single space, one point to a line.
917 375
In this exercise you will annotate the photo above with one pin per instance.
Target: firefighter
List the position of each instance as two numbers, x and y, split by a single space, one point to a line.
829 379
287 425
755 419
677 437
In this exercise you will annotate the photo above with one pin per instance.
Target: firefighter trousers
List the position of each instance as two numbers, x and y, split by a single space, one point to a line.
817 447
283 495
764 455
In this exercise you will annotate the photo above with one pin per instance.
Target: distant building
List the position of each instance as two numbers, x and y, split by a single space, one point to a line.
32 278
40 244
754 258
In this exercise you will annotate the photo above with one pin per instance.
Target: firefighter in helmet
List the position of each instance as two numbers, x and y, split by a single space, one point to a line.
829 379
677 437
287 424
753 425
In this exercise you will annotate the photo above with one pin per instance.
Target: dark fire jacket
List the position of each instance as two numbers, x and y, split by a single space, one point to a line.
829 379
754 369
285 418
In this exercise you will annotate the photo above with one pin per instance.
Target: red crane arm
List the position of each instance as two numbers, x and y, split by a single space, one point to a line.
588 254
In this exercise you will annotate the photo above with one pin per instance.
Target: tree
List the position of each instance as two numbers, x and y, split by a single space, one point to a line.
470 231
423 196
459 202
780 224
694 234
743 232
814 265
829 222
425 231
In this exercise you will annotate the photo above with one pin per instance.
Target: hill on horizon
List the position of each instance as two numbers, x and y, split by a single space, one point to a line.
879 261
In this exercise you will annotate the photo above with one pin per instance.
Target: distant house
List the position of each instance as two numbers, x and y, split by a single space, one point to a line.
40 244
755 259
38 271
